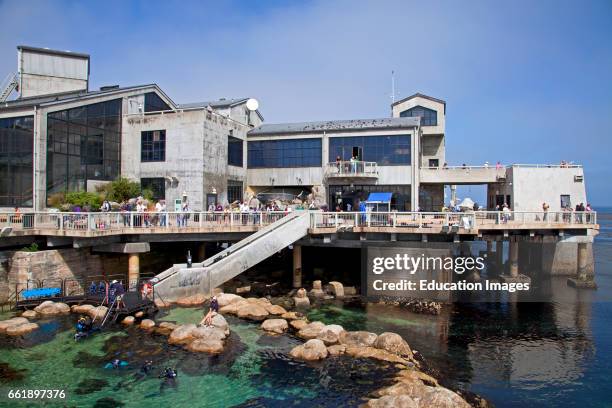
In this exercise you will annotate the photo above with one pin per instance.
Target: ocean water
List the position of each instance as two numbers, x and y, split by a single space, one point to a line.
552 354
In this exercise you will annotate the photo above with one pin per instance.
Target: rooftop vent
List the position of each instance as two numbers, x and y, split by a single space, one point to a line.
109 87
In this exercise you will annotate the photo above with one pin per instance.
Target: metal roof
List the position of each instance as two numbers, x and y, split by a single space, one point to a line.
335 126
52 52
220 103
420 95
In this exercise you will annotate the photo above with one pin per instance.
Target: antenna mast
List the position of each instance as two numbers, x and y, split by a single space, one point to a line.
392 86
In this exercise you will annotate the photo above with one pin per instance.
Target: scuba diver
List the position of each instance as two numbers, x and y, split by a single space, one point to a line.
169 379
147 367
116 363
84 327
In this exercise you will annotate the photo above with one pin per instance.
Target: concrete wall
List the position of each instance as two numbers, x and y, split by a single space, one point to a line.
532 186
440 129
432 147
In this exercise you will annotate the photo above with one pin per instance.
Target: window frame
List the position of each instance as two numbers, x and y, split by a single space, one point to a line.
148 148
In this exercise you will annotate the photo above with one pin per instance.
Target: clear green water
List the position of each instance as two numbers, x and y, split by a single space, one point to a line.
253 371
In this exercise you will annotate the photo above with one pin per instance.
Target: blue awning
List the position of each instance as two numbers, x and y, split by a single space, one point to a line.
379 198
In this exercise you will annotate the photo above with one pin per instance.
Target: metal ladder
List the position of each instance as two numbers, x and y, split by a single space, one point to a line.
9 84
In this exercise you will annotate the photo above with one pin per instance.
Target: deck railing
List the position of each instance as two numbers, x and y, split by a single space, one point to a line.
177 221
351 169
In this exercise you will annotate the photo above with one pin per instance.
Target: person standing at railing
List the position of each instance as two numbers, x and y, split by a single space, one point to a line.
185 216
579 210
353 164
160 208
506 213
545 208
339 164
588 210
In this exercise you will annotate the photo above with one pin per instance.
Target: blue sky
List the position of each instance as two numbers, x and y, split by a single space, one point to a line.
524 81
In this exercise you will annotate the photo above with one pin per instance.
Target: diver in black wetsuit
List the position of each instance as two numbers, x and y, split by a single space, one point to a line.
83 327
169 379
147 367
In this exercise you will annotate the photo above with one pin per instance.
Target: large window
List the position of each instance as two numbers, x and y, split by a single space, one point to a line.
429 117
83 143
16 140
384 150
153 103
234 151
234 191
284 153
156 184
153 146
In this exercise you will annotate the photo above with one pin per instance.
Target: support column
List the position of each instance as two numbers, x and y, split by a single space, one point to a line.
297 266
514 251
499 254
202 252
489 247
582 279
133 270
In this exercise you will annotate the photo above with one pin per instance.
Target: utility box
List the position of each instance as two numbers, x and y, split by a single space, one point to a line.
45 72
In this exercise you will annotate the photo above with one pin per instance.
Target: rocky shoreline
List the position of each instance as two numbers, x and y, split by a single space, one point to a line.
414 385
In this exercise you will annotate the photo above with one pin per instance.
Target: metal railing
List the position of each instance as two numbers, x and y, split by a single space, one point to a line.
177 221
502 167
351 169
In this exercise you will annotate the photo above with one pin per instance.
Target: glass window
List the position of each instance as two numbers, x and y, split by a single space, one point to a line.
153 103
157 185
429 117
234 151
234 191
16 161
284 153
153 146
384 150
83 143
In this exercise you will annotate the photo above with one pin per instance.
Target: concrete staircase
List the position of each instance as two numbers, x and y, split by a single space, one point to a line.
180 281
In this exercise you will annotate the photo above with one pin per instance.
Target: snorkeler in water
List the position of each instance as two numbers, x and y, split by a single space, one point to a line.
169 373
116 363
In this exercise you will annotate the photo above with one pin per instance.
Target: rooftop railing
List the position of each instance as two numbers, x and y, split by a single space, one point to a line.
351 168
177 222
500 167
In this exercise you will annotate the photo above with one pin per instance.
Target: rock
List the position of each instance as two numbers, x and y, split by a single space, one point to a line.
182 334
82 309
350 291
98 312
311 330
165 328
336 349
301 293
358 338
293 316
251 311
139 314
147 324
15 321
391 401
219 322
29 314
425 395
225 299
313 349
330 334
317 285
162 303
206 346
317 289
208 333
230 309
50 308
20 329
128 321
275 325
298 324
393 343
301 303
275 310
192 300
335 288
412 375
372 352
260 301
244 289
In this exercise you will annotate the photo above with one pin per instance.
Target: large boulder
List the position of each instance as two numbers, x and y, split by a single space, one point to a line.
336 349
311 330
21 329
219 322
317 289
82 309
165 328
335 288
275 310
443 398
330 334
251 311
293 316
393 343
193 300
208 333
206 346
225 299
298 324
358 338
182 334
300 293
50 308
98 312
372 352
147 324
313 349
128 321
301 302
278 326
394 401
29 314
15 321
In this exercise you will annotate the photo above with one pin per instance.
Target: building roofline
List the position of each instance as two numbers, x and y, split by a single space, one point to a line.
53 52
420 95
335 126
